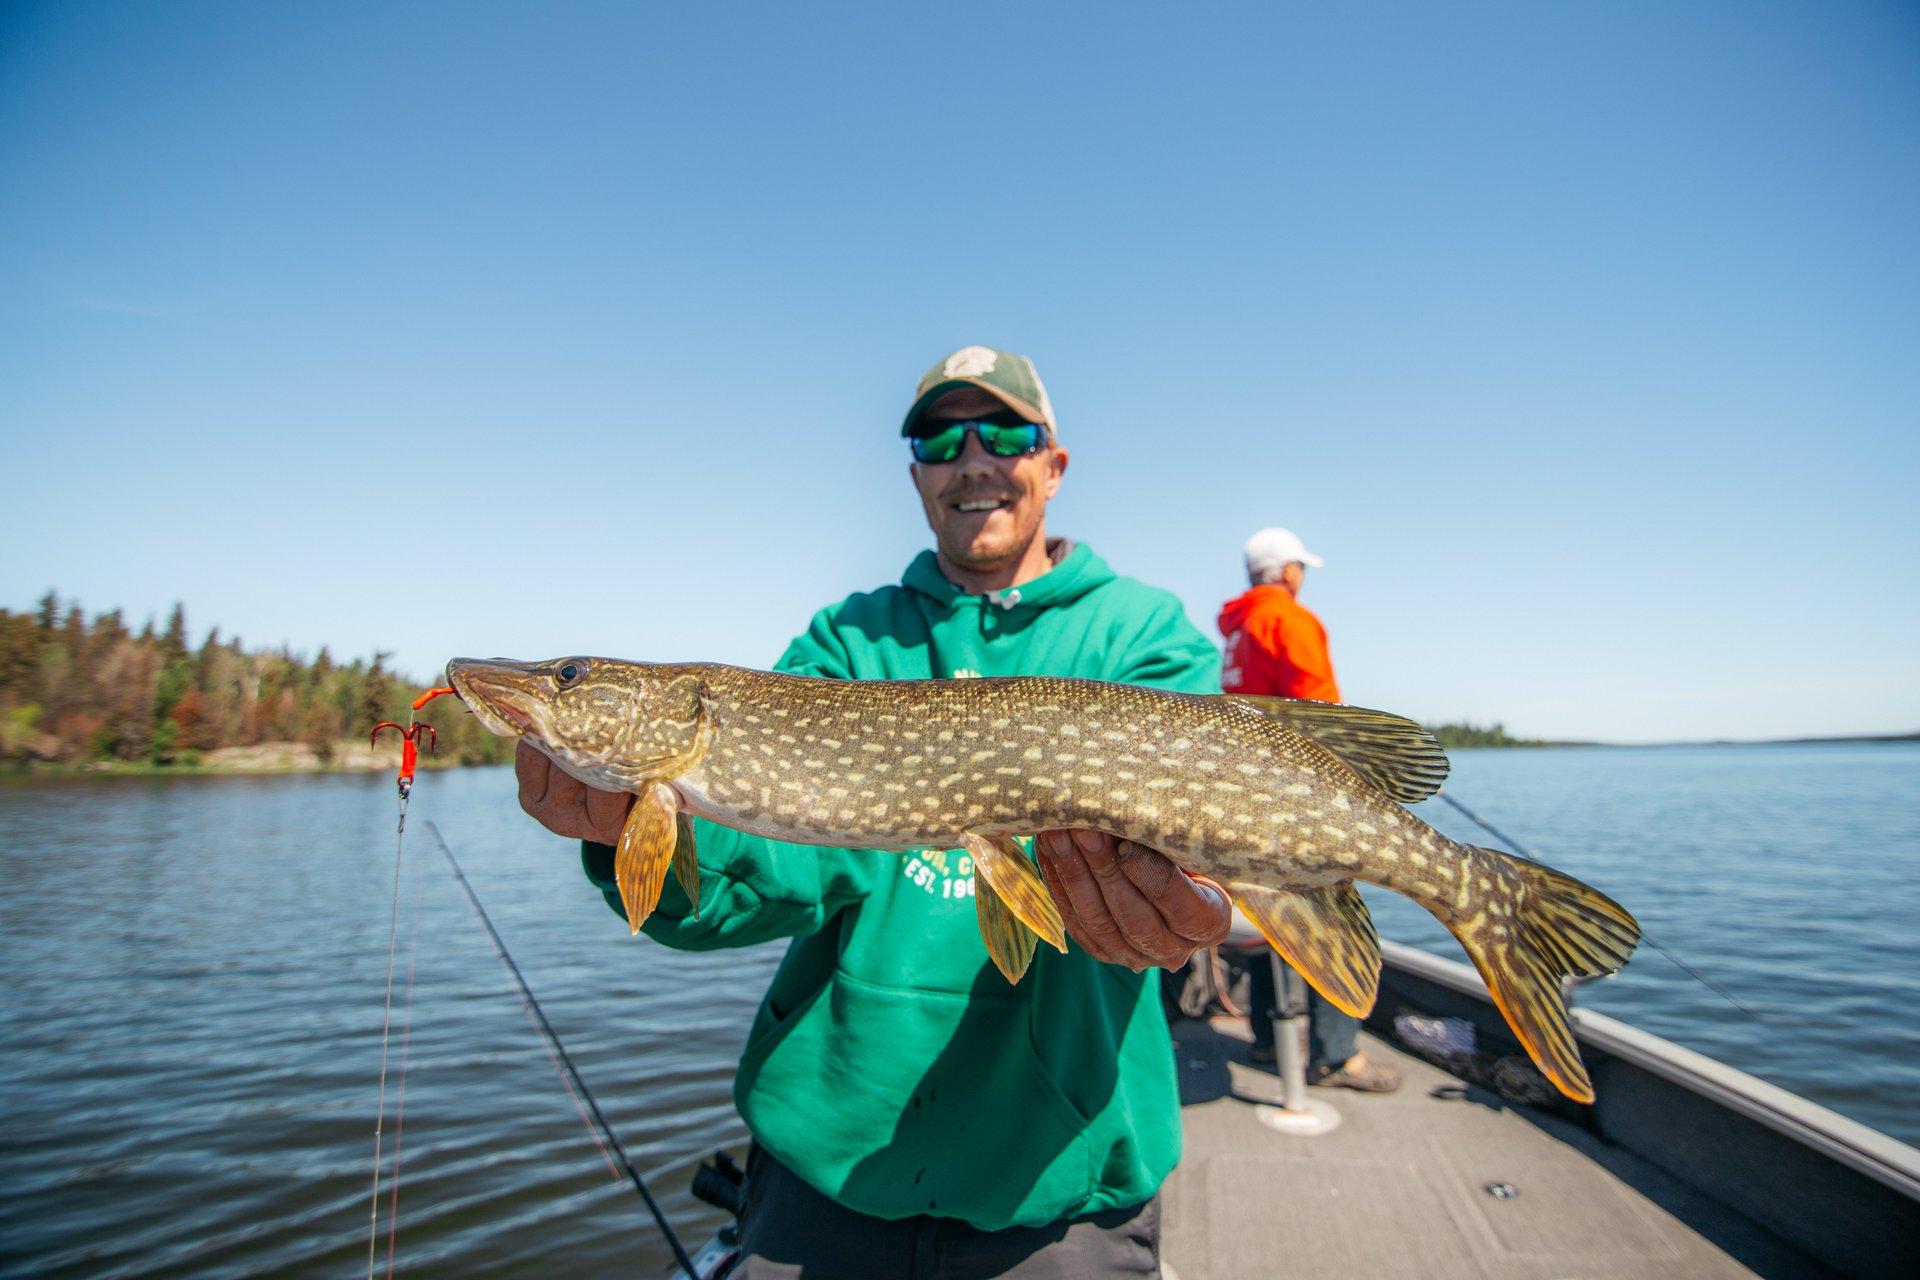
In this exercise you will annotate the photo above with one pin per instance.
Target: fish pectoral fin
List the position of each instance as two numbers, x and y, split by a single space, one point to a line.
646 848
1394 753
1325 934
1009 942
1001 867
686 862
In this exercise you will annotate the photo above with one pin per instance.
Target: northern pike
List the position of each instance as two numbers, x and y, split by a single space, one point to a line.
1285 803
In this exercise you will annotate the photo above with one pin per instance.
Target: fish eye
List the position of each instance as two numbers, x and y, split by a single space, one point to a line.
570 672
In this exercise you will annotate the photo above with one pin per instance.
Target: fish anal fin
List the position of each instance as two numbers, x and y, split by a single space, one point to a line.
1002 868
645 850
1325 934
686 862
1394 753
1009 942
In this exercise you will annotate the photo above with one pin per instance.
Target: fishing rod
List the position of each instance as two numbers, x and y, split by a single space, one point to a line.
1524 852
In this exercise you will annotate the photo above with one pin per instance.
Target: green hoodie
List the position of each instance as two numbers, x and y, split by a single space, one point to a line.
890 1065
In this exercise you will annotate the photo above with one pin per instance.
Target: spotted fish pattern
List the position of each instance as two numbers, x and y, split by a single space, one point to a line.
1287 804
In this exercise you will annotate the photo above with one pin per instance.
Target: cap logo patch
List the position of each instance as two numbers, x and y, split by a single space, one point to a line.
971 362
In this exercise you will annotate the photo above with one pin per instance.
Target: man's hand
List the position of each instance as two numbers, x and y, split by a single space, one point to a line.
1125 904
566 806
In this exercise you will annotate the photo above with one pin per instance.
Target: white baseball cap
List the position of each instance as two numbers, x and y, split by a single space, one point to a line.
1272 549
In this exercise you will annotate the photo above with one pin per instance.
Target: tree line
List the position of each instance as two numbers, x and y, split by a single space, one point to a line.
75 689
1473 735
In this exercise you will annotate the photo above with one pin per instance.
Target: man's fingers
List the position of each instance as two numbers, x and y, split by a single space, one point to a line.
1195 912
563 804
1142 934
1060 874
1056 879
532 769
1084 906
1150 871
606 814
564 810
1051 843
1127 904
1138 918
1218 910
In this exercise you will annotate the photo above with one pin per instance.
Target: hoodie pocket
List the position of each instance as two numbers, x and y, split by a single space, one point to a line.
907 1102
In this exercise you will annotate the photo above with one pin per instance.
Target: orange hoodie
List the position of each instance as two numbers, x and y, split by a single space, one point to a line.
1275 646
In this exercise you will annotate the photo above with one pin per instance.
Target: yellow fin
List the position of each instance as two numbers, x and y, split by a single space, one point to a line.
1527 942
1001 867
1326 934
686 862
1395 754
646 848
1009 942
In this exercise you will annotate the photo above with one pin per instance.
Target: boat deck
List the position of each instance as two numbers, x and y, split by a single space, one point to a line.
1399 1188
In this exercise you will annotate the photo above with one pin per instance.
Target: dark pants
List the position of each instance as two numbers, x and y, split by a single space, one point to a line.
1332 1036
789 1231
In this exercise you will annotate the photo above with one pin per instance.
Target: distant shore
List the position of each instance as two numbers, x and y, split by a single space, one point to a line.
1454 737
1834 740
1805 742
352 756
355 756
84 695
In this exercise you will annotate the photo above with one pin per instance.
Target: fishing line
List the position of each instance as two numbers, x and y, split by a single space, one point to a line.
559 1050
1522 851
386 1026
406 1057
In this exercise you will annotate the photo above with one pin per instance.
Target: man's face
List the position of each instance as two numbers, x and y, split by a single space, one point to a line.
984 511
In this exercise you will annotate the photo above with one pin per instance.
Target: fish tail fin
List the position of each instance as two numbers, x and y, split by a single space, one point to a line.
1544 928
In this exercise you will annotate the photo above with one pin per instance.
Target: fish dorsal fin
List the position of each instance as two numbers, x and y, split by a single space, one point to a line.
1326 934
1392 752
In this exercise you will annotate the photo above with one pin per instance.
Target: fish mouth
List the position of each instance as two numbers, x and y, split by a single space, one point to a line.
502 694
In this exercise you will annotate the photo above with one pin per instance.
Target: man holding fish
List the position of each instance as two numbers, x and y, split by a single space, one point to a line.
908 1105
911 1111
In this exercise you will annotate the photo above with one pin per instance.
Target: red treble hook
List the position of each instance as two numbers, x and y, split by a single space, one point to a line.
410 738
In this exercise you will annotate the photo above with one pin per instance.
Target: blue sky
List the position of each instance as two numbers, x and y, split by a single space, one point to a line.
1580 339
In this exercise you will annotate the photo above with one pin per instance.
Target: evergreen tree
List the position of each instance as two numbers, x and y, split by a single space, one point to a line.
174 643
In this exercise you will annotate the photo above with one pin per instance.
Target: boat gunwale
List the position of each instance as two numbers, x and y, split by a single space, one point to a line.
1858 1146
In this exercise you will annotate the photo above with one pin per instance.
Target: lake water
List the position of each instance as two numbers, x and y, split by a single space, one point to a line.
195 972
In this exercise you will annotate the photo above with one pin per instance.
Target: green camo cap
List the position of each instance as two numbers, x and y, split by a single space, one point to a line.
1010 379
